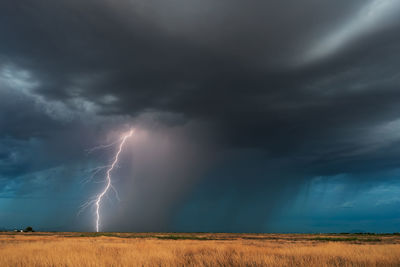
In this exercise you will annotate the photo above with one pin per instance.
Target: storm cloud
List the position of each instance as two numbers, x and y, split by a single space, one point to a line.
239 104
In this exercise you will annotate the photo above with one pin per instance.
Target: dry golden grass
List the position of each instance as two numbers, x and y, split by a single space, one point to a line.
69 249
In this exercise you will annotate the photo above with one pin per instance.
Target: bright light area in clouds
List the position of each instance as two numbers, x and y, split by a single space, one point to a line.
376 12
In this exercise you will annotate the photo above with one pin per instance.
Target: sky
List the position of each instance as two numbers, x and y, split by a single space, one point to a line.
249 116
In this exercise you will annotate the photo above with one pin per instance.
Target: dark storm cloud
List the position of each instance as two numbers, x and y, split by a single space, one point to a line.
311 83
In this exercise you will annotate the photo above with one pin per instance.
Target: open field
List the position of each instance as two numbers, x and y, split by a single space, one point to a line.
160 249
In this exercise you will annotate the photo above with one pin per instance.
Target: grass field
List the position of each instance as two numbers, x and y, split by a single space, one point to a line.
157 249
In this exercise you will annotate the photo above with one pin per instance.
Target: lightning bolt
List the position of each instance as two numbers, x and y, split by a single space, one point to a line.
98 198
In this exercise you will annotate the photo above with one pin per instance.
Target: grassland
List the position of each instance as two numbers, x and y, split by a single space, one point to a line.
173 249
